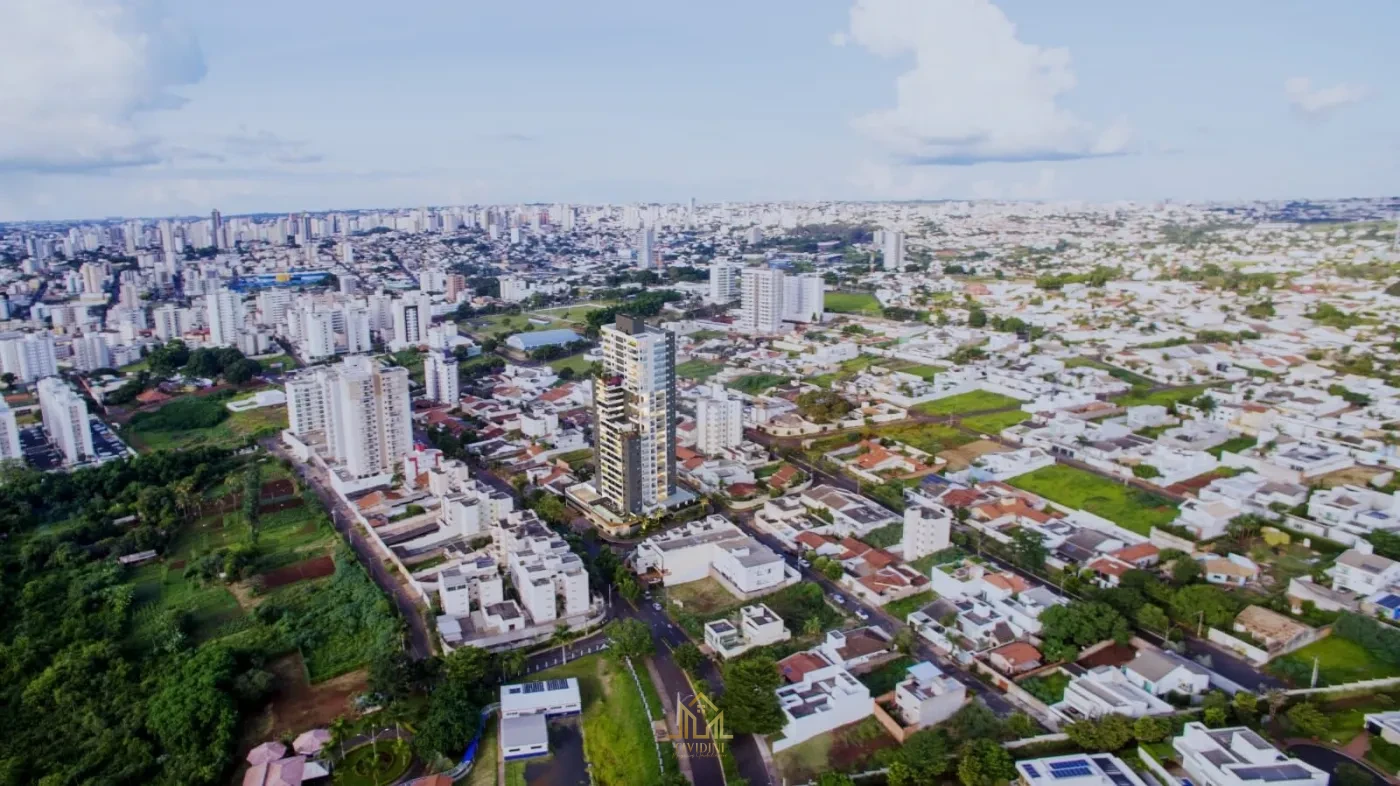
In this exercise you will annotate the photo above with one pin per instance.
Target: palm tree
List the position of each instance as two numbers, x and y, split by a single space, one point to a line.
512 662
339 731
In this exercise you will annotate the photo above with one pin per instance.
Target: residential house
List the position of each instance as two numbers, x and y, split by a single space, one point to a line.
1238 756
1160 672
1362 573
928 696
825 699
758 626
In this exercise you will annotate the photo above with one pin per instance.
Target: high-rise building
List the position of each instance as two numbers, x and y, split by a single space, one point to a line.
318 333
719 422
803 297
225 317
762 303
94 277
440 377
9 434
29 356
635 416
217 222
357 328
65 418
894 250
166 322
646 252
724 282
91 353
362 409
412 316
926 530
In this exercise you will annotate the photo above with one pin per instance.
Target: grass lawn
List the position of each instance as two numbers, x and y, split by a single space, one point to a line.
617 735
849 303
515 773
1162 398
1233 445
994 422
754 384
162 590
574 313
366 767
975 401
575 362
703 597
927 373
1126 506
902 608
698 369
1136 380
928 437
1049 688
1340 661
705 335
851 748
236 429
484 771
283 362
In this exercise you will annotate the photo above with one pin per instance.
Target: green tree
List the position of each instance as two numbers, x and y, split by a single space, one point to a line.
1079 624
1153 618
749 702
1308 720
984 763
630 638
1151 729
830 778
1348 774
833 570
688 657
922 761
1028 549
1186 570
194 717
977 318
1245 706
1214 717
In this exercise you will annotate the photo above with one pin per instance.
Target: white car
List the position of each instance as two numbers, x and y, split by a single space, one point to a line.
838 599
804 563
863 614
656 606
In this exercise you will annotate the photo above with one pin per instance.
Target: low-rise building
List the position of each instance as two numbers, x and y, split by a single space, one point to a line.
758 626
1107 691
1078 769
1160 672
928 696
1238 756
824 699
1362 573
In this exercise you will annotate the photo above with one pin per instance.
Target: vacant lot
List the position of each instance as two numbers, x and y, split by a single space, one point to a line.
1339 661
850 748
196 422
1129 507
574 313
1136 380
314 568
698 369
578 363
297 705
928 437
963 403
848 303
993 422
963 456
1162 398
754 384
703 597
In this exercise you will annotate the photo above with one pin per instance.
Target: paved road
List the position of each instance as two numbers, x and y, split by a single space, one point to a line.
420 644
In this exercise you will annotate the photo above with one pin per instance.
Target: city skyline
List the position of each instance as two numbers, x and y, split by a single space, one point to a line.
175 110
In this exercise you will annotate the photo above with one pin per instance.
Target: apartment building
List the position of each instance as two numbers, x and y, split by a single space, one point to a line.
355 415
65 417
635 417
29 356
725 285
761 305
927 530
412 315
711 546
440 378
91 352
225 318
9 434
719 422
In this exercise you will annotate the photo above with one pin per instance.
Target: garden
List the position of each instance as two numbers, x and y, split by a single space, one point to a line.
1126 506
374 765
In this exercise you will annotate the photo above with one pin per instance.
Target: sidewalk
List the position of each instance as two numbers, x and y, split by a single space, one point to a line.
668 708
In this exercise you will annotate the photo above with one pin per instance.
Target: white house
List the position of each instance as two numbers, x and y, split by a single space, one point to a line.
1360 507
1078 769
1207 519
928 696
1238 756
712 545
1106 691
1160 672
758 626
1364 574
825 699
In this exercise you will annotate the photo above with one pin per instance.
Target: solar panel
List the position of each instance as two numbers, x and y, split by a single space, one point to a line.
1031 770
557 684
1390 602
1071 772
1058 765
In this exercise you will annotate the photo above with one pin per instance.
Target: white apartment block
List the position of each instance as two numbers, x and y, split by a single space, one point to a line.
440 378
758 626
412 315
927 530
634 403
1238 756
719 423
356 415
29 356
167 322
804 297
1077 769
65 418
225 317
715 545
894 251
724 282
472 584
91 353
825 699
317 333
761 309
9 434
928 696
358 324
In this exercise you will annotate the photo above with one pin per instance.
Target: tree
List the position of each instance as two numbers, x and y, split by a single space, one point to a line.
830 778
9 379
977 318
1028 548
1080 624
1308 720
1109 733
1215 717
194 717
451 720
1151 729
1348 774
749 702
811 626
630 638
339 730
904 640
1020 725
242 371
972 722
1153 618
1218 607
983 763
1186 570
833 570
922 761
1245 706
688 657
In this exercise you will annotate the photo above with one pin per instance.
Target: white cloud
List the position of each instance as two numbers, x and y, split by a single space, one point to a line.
1319 101
976 92
79 73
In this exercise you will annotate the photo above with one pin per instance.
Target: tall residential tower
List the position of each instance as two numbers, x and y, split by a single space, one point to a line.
634 402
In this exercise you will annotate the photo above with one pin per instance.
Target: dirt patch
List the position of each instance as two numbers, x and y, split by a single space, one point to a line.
851 751
276 489
306 569
286 504
1351 476
298 706
961 457
243 593
1114 655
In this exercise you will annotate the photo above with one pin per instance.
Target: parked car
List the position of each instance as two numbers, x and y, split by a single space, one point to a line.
656 606
863 614
838 599
804 563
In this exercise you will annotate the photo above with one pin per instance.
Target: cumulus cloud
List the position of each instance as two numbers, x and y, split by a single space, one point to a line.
1321 100
79 73
976 92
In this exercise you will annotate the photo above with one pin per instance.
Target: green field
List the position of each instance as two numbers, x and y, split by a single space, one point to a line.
281 362
1339 661
574 313
849 303
1130 508
928 437
754 384
994 422
617 736
1233 445
974 401
698 370
1136 380
575 362
167 429
927 373
1161 398
902 608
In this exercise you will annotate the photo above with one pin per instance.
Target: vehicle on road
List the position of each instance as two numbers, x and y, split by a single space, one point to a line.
804 563
840 600
656 606
863 614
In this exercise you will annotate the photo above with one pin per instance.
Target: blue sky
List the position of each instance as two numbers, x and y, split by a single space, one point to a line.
133 107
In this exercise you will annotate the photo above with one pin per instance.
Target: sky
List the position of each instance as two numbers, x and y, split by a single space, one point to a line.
150 108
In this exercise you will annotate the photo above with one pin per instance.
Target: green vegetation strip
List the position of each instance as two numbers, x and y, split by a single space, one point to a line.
1129 507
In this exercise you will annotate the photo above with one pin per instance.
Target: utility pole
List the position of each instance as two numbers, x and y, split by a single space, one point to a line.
1313 684
1200 623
